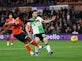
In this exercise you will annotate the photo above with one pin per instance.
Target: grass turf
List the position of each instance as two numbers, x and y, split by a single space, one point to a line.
63 51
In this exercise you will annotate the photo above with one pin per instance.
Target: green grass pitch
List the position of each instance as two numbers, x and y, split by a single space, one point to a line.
63 51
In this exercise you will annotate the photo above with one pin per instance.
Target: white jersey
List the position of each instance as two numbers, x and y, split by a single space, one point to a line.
37 26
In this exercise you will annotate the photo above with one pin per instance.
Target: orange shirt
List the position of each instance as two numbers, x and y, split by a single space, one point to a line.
9 21
17 28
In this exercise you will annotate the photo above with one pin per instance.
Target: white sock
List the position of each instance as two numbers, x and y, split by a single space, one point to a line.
7 43
48 48
36 49
31 53
11 43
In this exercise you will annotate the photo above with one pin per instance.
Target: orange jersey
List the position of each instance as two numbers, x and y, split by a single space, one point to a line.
17 28
10 21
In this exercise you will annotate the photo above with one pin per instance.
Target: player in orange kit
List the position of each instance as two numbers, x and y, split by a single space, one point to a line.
21 35
9 37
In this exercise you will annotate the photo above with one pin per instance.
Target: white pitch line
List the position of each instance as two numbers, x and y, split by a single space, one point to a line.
52 47
68 47
12 49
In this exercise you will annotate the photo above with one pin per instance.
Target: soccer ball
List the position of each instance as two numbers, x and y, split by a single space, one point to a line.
74 38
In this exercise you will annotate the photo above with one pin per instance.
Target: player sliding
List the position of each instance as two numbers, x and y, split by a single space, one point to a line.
38 31
21 35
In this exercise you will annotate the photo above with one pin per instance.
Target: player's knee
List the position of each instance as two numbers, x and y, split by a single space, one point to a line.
45 40
37 39
28 39
25 43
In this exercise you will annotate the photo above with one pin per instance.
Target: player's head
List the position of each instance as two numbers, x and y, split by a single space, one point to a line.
34 13
10 16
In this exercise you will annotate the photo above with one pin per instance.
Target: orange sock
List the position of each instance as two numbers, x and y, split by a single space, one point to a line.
28 48
34 43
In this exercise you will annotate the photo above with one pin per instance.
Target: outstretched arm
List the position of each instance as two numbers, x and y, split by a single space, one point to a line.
47 21
30 20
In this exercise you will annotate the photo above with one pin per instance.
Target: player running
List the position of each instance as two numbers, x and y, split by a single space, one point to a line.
38 31
21 35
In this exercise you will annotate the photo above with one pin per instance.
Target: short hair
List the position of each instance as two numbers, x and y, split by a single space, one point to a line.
34 11
10 14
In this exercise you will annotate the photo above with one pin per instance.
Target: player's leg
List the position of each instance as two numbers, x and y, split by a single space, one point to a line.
12 39
23 37
34 43
44 39
37 39
7 38
29 48
47 46
8 32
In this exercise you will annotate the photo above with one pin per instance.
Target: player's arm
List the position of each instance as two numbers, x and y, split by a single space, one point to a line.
27 29
0 30
30 20
47 21
6 26
17 22
3 30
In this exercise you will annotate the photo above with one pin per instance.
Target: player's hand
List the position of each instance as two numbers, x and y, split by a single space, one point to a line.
53 18
2 32
11 24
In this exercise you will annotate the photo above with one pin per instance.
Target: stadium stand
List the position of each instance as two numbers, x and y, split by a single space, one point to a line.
68 20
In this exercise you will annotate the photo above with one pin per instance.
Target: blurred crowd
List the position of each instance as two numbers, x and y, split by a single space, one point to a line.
27 2
67 19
